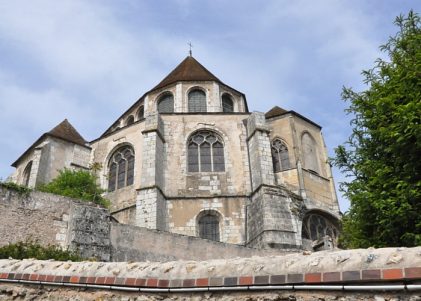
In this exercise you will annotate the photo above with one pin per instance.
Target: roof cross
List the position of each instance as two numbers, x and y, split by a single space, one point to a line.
190 51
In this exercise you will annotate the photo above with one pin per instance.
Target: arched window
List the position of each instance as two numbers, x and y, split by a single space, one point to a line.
130 120
141 113
197 101
316 226
209 226
280 156
227 103
309 153
166 104
27 174
121 168
205 152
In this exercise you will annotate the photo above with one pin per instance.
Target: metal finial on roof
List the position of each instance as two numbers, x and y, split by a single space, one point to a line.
190 51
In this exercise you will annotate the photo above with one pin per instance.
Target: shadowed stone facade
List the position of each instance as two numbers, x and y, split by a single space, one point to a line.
189 158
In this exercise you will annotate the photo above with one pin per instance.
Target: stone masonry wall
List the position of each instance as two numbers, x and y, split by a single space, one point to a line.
55 220
130 243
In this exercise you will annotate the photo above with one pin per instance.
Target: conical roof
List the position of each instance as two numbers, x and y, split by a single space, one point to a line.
66 131
188 70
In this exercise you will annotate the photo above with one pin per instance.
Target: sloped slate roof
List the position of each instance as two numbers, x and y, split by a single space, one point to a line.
188 70
64 130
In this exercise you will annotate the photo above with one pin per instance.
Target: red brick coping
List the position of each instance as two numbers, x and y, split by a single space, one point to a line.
411 275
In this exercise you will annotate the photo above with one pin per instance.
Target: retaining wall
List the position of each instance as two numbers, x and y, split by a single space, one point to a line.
366 274
87 228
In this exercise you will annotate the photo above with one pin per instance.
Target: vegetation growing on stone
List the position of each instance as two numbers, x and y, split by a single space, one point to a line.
31 249
23 190
382 156
78 184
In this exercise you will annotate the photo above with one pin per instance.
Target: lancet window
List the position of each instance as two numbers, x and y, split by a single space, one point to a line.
280 156
121 168
205 152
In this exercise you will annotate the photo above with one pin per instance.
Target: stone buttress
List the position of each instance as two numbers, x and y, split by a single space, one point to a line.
270 222
150 201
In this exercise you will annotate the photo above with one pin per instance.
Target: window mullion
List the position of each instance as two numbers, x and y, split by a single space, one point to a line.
211 151
199 158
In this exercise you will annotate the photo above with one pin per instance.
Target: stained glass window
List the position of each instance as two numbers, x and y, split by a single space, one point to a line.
205 152
280 156
197 101
227 104
209 227
121 168
166 104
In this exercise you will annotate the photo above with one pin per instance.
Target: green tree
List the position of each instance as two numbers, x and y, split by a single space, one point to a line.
77 184
382 157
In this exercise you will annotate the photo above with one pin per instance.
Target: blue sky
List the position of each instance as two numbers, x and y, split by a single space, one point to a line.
88 61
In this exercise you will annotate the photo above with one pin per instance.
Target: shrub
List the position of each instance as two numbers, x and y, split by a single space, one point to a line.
77 184
16 187
31 249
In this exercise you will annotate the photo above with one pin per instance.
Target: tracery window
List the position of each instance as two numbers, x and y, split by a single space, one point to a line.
205 152
141 112
316 226
227 103
121 168
166 104
209 227
130 120
280 156
309 153
27 174
197 101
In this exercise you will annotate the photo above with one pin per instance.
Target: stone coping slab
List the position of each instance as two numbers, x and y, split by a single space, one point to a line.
335 267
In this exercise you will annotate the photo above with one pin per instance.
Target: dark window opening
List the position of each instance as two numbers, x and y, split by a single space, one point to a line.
280 156
205 153
209 227
227 103
166 104
121 168
197 101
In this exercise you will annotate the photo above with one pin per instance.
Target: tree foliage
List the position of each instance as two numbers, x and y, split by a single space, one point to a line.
77 184
382 157
31 249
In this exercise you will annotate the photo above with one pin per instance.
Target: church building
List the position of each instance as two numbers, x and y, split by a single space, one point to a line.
189 157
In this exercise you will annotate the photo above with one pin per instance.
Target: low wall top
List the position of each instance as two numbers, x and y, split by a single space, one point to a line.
361 265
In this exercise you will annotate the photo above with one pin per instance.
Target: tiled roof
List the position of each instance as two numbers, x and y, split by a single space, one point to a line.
67 132
275 111
64 130
188 70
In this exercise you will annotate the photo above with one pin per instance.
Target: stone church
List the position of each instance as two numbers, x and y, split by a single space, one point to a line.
188 157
